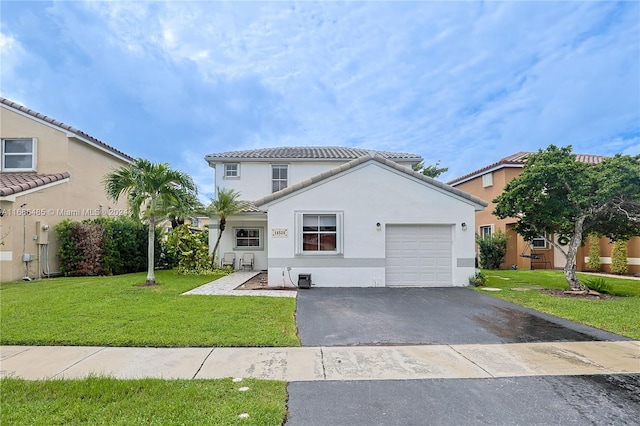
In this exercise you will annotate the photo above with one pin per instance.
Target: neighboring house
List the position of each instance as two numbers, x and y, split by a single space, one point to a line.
489 182
348 217
49 172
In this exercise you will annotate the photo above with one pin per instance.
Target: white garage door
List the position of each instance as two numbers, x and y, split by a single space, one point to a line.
419 256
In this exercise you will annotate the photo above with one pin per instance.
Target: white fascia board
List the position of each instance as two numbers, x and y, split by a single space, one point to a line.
493 169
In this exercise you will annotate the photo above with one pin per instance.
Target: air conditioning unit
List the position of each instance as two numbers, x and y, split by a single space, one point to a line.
304 281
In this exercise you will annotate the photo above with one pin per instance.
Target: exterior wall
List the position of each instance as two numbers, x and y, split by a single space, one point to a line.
516 245
81 197
366 195
255 177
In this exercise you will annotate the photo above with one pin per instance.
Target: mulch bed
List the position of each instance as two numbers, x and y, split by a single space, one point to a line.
260 282
575 295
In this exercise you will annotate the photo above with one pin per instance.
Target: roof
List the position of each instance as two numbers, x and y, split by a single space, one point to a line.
13 183
307 153
361 160
79 133
519 160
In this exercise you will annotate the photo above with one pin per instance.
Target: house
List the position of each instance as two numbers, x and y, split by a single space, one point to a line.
488 182
347 217
50 171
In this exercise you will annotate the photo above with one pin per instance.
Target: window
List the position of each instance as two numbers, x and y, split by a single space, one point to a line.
279 177
248 238
485 231
319 233
487 180
231 171
19 154
539 242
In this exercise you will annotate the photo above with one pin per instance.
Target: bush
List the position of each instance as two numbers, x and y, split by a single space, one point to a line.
103 246
619 264
191 250
599 284
492 250
478 279
594 263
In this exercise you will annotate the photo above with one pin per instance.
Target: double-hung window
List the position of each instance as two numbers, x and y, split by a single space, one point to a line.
319 233
18 155
231 171
279 177
485 231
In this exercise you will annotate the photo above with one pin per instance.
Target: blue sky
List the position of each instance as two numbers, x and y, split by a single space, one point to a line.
466 83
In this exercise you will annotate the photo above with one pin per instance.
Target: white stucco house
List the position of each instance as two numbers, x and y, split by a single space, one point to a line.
348 217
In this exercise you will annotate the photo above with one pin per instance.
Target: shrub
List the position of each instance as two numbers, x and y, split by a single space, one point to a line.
492 250
594 263
190 249
619 264
599 284
478 279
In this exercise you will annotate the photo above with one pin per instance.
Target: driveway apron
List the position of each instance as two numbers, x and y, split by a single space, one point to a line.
385 316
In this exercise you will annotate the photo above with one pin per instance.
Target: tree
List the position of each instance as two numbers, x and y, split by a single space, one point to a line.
493 249
148 186
224 205
178 212
432 171
557 194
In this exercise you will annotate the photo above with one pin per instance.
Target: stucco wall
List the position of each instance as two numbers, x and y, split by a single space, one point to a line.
78 198
366 195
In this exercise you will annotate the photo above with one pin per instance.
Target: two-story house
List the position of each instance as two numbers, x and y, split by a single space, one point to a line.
49 172
488 182
348 217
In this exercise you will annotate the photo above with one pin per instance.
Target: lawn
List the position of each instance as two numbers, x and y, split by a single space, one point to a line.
115 311
620 315
106 401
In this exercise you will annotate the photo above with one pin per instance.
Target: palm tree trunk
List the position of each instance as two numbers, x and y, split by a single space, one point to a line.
151 277
221 228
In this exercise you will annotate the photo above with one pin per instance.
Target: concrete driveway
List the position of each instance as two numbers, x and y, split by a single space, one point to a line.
382 316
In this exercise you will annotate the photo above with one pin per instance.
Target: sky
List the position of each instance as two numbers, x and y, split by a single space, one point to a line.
463 83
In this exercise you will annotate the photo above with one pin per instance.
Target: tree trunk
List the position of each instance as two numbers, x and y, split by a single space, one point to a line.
221 227
572 252
151 277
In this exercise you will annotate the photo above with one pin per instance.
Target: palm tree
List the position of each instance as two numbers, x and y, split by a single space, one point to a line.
148 186
226 204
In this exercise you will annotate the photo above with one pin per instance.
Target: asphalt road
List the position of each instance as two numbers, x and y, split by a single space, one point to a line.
547 400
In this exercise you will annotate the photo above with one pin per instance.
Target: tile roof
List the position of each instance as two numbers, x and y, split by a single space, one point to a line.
307 153
519 160
65 127
14 183
354 163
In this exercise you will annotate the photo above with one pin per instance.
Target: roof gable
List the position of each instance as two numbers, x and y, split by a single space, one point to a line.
16 183
409 173
85 137
307 153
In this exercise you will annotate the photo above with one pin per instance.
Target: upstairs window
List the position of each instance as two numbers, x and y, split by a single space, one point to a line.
232 171
279 177
486 231
19 155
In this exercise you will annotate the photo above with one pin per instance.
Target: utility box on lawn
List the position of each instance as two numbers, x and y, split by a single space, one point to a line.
304 280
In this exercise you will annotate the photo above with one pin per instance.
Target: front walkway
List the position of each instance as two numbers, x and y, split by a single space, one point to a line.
226 286
295 364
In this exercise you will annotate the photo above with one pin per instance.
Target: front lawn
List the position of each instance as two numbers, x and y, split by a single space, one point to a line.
115 311
106 401
620 315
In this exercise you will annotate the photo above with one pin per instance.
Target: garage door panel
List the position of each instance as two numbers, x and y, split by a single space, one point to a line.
419 256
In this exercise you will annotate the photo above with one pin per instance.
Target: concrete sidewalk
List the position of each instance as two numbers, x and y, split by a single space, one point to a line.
226 286
325 363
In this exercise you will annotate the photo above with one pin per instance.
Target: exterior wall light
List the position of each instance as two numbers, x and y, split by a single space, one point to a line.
378 226
464 226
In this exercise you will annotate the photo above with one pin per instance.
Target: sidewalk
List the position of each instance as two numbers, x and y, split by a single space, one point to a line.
226 286
325 363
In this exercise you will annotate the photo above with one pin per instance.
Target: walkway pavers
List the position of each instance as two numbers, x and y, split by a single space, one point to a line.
341 363
226 286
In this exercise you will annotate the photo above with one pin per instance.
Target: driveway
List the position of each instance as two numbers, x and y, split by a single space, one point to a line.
381 316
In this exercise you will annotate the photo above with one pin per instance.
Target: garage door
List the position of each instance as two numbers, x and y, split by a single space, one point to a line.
419 256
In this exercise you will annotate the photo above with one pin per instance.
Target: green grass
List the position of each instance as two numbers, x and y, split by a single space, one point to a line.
115 311
620 315
106 401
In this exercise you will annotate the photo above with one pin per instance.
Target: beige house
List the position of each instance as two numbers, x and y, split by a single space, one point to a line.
488 182
49 172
